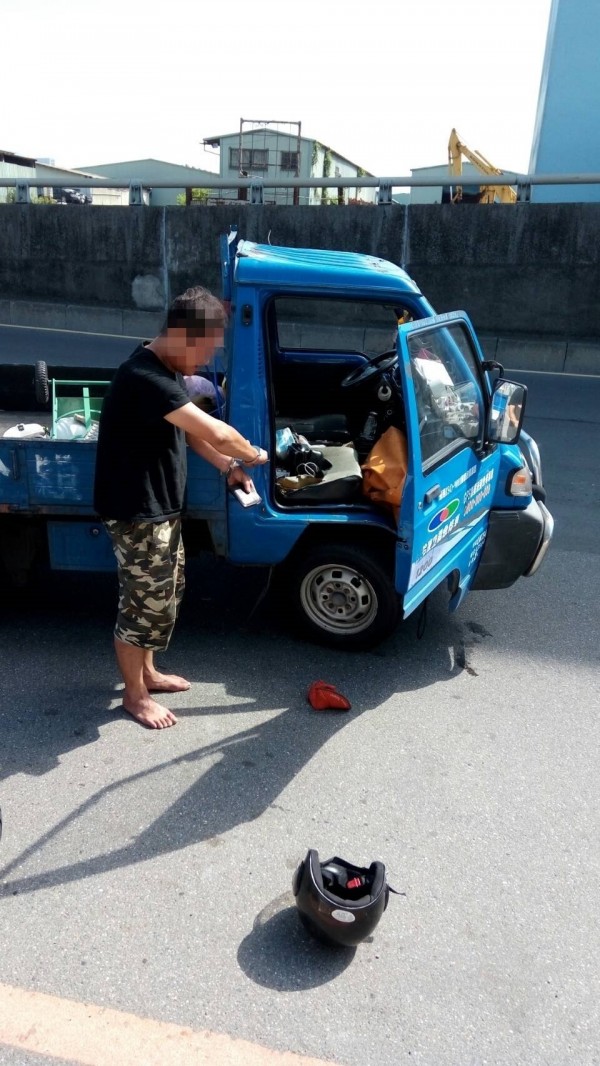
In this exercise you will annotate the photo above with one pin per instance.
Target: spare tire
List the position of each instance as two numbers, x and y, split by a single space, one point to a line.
42 390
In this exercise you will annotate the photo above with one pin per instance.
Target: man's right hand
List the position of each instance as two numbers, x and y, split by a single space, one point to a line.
262 457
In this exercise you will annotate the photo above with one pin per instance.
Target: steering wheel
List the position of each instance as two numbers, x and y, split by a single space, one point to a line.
375 366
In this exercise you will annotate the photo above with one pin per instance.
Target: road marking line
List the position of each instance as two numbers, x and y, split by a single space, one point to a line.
551 373
73 332
90 1035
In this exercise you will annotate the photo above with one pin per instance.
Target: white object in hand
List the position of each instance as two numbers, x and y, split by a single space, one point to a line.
247 499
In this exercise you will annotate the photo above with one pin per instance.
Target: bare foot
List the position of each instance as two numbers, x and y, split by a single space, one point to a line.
157 682
149 713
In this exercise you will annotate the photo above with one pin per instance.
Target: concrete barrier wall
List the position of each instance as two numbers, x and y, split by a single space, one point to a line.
518 270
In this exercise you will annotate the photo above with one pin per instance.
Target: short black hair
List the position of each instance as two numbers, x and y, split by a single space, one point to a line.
196 309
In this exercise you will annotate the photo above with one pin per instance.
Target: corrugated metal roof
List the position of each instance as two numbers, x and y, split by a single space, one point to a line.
318 268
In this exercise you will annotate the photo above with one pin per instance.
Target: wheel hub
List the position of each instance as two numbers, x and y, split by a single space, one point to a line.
339 598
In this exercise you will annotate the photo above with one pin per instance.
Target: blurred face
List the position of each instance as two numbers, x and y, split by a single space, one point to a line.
192 346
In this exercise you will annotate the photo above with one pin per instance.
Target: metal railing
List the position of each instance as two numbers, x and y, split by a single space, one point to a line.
256 187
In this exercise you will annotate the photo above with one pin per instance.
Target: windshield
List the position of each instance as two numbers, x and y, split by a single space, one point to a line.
331 324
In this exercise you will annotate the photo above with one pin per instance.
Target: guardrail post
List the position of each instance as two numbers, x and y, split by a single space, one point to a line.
257 193
523 191
384 193
136 194
22 193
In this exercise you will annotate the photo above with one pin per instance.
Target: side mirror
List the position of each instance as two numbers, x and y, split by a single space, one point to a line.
506 412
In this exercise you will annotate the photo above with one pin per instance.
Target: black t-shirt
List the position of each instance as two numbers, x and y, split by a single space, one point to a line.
141 462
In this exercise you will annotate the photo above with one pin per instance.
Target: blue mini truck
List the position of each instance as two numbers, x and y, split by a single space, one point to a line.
328 350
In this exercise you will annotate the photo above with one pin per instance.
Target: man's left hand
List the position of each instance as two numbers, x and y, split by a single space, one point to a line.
238 476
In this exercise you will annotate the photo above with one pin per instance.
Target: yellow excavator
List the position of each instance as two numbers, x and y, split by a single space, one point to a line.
488 194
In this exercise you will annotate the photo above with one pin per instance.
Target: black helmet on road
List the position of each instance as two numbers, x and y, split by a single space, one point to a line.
340 903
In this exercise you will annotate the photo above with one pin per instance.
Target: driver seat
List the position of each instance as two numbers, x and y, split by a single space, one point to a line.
342 483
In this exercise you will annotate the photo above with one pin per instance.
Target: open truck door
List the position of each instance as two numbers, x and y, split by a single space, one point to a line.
449 489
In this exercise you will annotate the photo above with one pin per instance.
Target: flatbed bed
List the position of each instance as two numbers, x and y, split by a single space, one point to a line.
8 419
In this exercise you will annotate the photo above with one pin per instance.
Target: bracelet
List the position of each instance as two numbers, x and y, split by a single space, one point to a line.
233 463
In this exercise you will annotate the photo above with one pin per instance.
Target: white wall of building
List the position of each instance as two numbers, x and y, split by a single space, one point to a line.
471 179
13 170
265 154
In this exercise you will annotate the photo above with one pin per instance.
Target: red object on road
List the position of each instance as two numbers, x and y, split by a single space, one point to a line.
325 697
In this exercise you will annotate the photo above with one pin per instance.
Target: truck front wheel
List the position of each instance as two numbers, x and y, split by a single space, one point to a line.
343 596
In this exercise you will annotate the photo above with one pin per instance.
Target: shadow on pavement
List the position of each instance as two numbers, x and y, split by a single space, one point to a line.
279 953
57 647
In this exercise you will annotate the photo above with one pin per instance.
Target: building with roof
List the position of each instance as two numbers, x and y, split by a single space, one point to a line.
53 181
147 171
278 151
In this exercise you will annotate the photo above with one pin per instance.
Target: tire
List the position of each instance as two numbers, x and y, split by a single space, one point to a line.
343 597
42 390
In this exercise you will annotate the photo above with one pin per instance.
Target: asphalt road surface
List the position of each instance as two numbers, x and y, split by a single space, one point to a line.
20 344
150 872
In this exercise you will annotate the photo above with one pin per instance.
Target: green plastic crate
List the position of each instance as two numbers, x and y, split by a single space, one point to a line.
75 398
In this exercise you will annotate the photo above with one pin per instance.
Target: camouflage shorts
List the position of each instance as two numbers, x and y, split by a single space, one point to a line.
150 561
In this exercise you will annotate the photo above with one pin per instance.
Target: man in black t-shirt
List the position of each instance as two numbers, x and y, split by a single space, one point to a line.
141 466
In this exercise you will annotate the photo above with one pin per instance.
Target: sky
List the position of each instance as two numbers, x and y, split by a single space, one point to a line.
383 85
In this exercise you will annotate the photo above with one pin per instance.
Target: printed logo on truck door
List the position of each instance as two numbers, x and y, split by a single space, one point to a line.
449 518
443 515
440 545
452 522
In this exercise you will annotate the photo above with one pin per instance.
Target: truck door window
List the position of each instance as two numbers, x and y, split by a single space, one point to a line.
448 391
318 324
315 342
